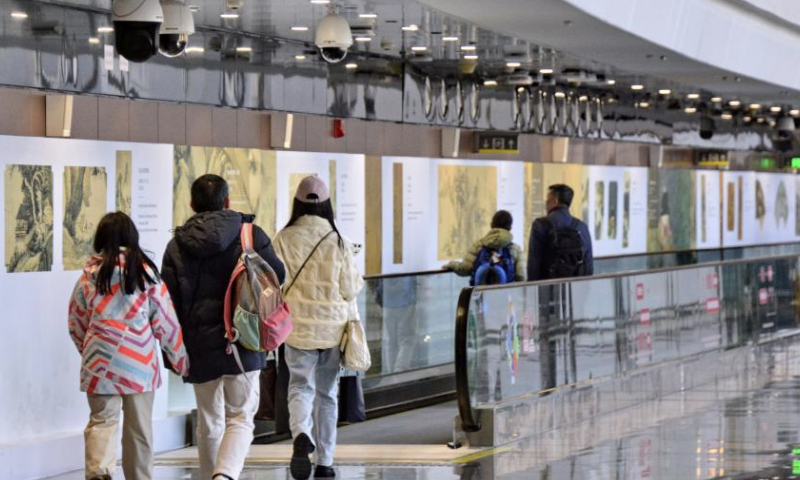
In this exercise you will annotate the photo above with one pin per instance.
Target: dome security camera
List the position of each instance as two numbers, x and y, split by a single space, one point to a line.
785 127
136 24
707 127
178 25
333 37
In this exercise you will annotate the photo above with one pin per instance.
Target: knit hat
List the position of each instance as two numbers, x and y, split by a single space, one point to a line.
312 185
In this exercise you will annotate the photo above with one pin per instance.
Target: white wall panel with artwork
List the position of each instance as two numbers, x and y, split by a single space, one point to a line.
708 205
617 214
738 208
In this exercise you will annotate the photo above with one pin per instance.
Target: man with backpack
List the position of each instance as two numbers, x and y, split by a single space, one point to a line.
198 265
560 245
494 259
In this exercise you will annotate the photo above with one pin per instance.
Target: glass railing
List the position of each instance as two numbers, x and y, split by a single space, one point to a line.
522 339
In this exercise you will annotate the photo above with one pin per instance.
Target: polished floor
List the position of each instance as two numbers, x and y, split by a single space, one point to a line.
711 432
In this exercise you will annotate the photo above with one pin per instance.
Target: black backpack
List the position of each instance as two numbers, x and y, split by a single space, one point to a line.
564 252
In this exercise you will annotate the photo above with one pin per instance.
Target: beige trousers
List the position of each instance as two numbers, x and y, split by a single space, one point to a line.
225 410
137 436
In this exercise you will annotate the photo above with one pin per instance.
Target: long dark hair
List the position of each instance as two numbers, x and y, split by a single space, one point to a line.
321 209
116 232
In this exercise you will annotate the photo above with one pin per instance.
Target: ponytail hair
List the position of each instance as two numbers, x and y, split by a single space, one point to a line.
116 234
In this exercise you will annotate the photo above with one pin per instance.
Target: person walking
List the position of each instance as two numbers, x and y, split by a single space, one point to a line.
322 279
560 244
118 309
197 267
498 241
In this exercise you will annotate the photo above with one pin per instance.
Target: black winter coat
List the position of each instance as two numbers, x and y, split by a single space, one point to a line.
197 267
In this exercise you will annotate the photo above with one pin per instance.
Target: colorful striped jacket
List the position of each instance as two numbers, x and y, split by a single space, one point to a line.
116 334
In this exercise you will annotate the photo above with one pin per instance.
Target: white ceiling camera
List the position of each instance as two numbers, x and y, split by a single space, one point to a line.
178 25
334 37
136 24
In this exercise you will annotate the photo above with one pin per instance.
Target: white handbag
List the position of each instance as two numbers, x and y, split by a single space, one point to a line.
354 348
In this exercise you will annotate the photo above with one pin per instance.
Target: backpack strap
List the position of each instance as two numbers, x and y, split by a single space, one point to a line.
246 236
575 224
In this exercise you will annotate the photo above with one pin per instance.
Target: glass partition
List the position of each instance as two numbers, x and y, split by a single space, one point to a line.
530 338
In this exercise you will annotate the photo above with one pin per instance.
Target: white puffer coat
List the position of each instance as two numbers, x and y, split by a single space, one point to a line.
320 297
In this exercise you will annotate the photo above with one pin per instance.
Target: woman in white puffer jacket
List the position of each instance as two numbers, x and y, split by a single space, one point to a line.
321 281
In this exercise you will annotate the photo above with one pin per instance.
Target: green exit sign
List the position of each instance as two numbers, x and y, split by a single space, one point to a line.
768 163
796 162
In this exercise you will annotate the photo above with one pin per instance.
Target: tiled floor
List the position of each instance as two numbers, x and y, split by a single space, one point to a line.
712 432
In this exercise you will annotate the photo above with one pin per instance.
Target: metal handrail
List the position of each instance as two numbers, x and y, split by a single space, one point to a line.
407 274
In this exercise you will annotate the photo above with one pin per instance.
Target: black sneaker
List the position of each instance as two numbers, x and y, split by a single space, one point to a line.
324 472
300 467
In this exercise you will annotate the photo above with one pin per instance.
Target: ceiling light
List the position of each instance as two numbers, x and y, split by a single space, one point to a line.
760 120
775 109
194 8
690 110
747 119
411 28
244 49
664 91
449 39
490 83
320 2
351 66
299 29
195 49
19 15
105 30
470 57
419 49
560 94
363 39
611 82
726 116
546 71
644 104
716 99
229 16
637 87
299 58
513 64
94 40
772 123
755 106
794 112
468 48
521 90
583 98
693 96
612 100
735 103
368 15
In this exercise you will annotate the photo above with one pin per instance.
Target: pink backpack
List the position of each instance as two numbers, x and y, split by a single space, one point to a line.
255 313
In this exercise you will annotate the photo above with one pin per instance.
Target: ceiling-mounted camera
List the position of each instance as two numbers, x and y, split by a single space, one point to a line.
178 25
136 25
333 37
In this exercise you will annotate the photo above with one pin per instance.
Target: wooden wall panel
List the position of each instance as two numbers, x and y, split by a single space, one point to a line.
85 122
316 130
199 126
248 131
335 144
223 127
143 122
356 136
172 123
374 138
113 115
20 110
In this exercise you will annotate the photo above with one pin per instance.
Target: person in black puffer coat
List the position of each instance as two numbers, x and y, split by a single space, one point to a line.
197 267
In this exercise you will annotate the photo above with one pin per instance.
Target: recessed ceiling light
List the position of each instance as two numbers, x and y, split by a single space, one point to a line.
299 29
490 83
775 109
195 49
419 48
470 57
612 100
760 120
546 71
229 16
449 39
794 112
94 40
105 30
560 95
690 110
693 96
583 98
513 64
368 15
726 116
644 104
320 2
755 106
468 48
411 28
747 119
664 91
735 103
521 90
19 15
611 82
194 8
772 123
299 58
637 87
351 66
363 39
716 99
244 49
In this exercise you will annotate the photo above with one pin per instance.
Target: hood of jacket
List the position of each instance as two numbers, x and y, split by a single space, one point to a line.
209 233
497 238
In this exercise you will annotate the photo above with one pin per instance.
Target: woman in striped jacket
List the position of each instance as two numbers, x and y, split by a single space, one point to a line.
118 310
